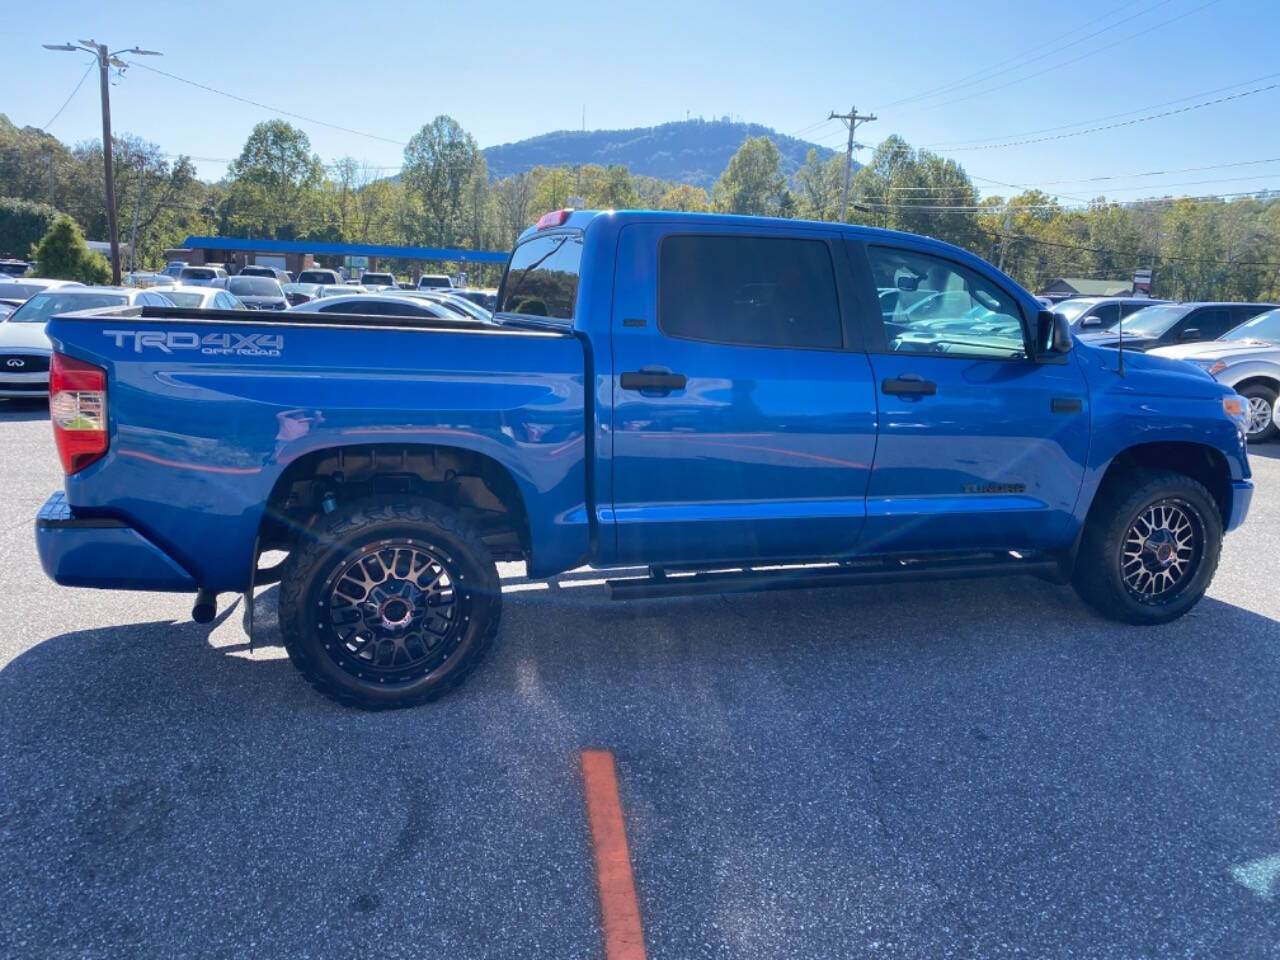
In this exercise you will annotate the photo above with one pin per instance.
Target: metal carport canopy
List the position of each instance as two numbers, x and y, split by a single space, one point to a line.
328 248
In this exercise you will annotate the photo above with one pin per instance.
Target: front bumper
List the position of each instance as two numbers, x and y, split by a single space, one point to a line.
1241 495
102 552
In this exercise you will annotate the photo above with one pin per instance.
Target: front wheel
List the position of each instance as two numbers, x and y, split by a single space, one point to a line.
389 603
1262 412
1150 547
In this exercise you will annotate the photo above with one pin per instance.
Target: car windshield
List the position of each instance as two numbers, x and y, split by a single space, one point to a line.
20 291
185 299
45 305
1151 321
378 278
198 273
310 289
316 276
254 287
1074 309
1265 327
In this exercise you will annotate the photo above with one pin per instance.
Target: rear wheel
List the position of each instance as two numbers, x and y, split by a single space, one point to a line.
389 603
1150 547
1262 412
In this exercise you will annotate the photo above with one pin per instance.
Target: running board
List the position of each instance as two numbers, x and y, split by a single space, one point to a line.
661 583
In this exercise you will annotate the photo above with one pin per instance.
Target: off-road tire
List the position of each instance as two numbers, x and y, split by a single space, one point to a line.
1098 577
359 527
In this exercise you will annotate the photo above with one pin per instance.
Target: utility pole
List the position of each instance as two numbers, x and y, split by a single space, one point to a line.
851 120
1004 236
49 157
106 60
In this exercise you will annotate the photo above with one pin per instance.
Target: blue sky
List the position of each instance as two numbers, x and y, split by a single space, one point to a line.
507 70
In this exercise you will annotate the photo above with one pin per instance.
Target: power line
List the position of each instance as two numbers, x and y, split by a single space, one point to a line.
952 144
989 73
1132 253
1067 63
70 96
1123 123
267 107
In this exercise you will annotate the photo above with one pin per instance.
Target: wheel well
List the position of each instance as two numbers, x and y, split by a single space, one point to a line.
1203 464
478 487
1271 382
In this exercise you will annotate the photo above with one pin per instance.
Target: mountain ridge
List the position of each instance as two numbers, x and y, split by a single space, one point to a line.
682 151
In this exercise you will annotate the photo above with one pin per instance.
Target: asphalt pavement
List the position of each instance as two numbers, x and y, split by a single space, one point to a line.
977 769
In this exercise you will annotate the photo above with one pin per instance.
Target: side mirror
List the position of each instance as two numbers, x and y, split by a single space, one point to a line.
907 282
1091 321
1052 337
1191 333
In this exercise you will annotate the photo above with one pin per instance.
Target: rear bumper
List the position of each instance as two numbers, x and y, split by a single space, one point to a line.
102 552
1241 495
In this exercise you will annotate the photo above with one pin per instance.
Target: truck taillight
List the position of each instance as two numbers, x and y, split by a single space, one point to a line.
555 218
78 409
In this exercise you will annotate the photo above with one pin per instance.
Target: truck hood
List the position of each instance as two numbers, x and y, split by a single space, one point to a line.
1232 351
24 336
1151 373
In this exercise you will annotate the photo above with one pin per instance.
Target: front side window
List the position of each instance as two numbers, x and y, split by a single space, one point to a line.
754 291
542 277
944 308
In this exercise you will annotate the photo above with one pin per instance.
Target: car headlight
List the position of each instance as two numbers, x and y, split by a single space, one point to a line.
1211 367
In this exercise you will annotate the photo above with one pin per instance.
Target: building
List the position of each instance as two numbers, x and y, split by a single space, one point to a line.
1066 287
296 255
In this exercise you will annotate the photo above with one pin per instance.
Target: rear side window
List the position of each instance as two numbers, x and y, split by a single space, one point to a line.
756 291
542 277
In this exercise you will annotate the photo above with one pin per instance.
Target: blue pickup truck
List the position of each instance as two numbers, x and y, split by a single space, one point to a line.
723 403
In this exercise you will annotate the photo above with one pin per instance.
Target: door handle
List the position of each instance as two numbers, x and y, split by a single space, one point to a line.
653 379
1066 405
909 385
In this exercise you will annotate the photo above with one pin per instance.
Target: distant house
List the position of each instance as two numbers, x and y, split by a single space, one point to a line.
1066 287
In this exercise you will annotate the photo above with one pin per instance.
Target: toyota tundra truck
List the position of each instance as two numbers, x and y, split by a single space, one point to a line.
720 403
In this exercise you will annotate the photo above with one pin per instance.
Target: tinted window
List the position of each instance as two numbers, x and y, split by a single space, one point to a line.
45 305
434 282
762 291
317 276
347 307
1206 324
1108 313
198 273
542 277
943 307
254 287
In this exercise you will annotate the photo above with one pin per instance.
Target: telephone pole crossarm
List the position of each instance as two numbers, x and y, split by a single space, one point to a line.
851 120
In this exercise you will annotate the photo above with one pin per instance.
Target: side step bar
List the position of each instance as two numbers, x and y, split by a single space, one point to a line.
661 583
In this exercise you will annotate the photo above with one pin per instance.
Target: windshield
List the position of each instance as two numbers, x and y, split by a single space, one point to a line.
1151 321
1073 309
379 278
20 291
198 273
317 276
1265 327
254 287
185 299
45 305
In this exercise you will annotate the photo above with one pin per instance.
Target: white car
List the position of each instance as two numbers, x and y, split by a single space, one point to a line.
1248 359
202 298
23 288
382 305
24 348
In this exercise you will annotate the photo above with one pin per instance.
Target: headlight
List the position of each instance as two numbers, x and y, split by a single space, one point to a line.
1211 367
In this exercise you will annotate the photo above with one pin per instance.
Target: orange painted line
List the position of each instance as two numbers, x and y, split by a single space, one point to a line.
619 909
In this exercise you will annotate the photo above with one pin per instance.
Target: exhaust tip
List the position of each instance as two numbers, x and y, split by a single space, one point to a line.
206 606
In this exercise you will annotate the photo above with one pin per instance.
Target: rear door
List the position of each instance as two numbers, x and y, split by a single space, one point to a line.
743 408
979 447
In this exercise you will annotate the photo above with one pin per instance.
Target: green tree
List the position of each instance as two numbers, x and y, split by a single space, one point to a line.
753 182
615 191
274 184
62 254
686 198
439 163
22 224
819 187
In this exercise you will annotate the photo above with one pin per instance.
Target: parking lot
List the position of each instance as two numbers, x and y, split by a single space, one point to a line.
971 769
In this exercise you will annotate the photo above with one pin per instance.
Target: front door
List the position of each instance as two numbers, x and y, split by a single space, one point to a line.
979 446
743 414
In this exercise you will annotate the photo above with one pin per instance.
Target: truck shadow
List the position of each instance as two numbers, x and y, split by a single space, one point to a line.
22 410
159 760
